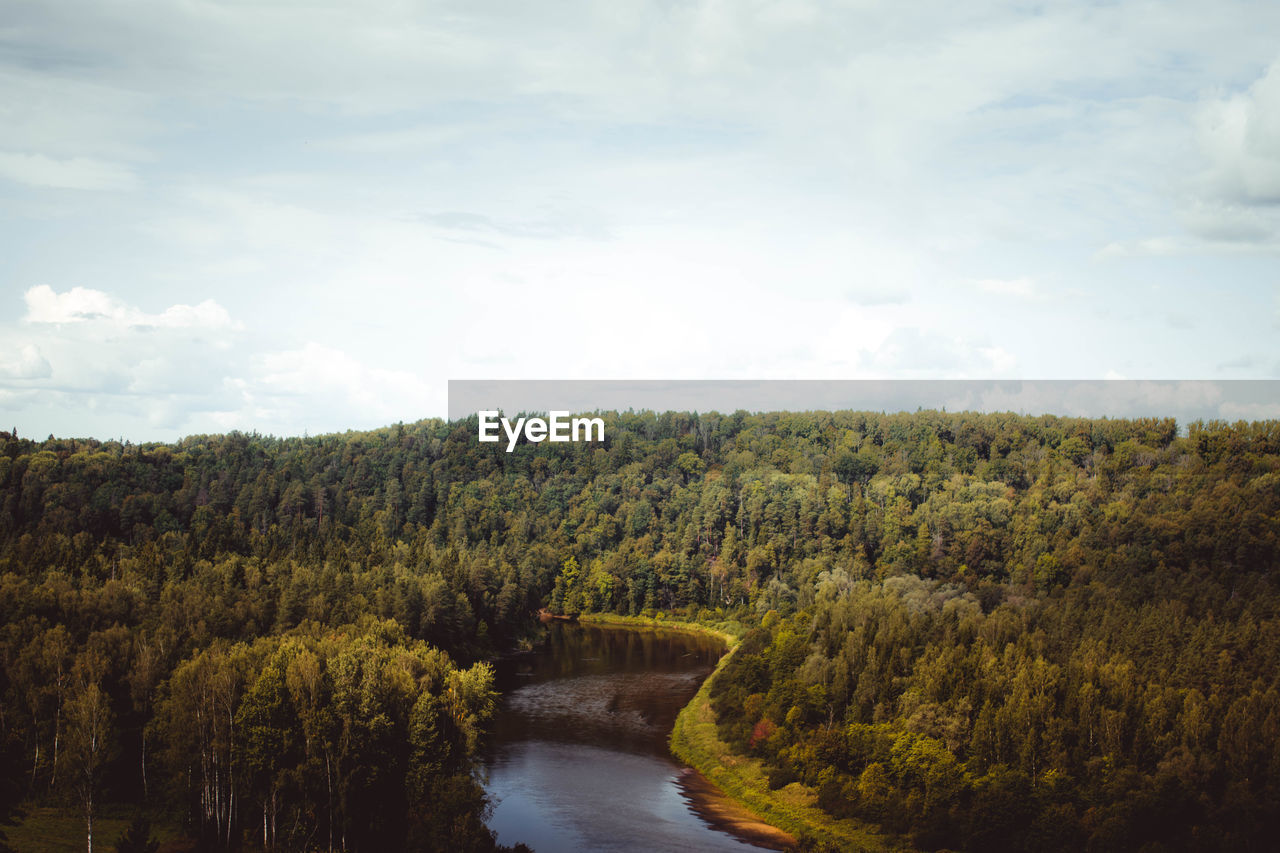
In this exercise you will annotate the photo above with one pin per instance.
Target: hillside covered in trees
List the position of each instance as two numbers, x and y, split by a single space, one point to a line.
984 632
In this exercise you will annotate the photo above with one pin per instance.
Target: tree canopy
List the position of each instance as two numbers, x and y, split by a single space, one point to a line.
984 631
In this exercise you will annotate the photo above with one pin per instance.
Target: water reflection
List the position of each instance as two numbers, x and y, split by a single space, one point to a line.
579 759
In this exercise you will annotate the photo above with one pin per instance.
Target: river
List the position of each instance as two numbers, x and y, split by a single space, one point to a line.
579 761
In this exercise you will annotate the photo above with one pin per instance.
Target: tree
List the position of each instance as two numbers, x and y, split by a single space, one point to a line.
691 465
90 745
267 721
566 597
857 467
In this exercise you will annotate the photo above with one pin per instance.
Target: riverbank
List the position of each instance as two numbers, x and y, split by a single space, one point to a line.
716 807
743 781
727 632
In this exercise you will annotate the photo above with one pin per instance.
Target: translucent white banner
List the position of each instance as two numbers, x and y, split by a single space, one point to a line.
1184 400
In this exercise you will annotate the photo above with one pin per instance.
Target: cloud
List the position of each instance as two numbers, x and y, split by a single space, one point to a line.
1244 362
911 352
88 363
76 305
1226 222
1240 135
1023 288
871 296
85 362
1147 246
778 188
310 384
81 304
29 364
1229 204
550 226
415 139
76 121
1172 245
75 173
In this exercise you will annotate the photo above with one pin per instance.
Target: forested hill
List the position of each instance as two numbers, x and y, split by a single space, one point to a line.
984 631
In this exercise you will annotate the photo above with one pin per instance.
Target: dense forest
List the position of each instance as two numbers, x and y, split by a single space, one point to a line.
983 632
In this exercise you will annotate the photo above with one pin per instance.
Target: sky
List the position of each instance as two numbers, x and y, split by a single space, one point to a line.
308 217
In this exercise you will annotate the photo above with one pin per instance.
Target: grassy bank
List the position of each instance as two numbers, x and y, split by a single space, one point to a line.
695 741
726 632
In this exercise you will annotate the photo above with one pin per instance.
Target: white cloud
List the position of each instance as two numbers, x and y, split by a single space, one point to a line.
871 296
90 364
1172 245
75 173
1228 204
325 375
84 356
1225 222
80 304
414 139
683 190
1240 135
910 352
72 115
318 388
1023 288
76 305
1148 246
28 364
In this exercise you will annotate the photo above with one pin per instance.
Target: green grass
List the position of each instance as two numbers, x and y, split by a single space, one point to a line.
695 741
50 829
727 632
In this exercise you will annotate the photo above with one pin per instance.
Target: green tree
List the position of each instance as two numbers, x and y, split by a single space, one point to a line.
90 745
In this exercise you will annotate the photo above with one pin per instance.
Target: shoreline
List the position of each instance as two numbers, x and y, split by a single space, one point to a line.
718 808
741 782
727 814
730 640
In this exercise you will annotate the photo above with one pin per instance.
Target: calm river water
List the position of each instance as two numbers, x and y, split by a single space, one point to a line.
579 757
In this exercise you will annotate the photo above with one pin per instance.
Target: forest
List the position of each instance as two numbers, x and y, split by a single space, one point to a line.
981 632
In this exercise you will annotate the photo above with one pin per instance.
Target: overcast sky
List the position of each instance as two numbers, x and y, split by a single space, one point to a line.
306 217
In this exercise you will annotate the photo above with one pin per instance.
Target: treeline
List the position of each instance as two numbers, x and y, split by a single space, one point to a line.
962 612
263 683
1073 723
351 739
